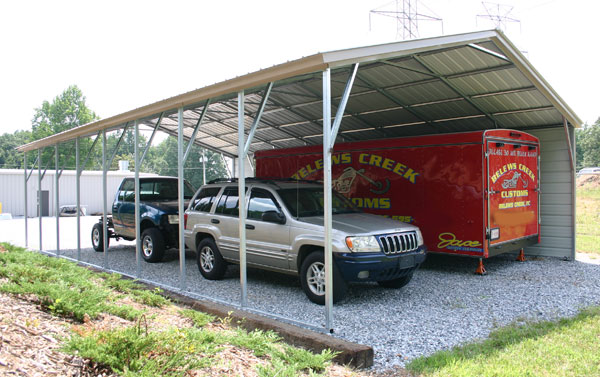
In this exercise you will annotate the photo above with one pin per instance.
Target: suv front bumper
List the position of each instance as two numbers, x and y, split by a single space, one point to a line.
378 266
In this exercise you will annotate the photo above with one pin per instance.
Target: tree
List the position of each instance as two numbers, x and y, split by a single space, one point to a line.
163 159
589 143
10 158
67 110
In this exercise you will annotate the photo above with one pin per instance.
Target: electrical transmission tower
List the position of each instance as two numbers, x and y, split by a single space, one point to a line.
407 17
499 14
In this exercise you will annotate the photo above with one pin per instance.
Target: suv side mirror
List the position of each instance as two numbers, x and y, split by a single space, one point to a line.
273 217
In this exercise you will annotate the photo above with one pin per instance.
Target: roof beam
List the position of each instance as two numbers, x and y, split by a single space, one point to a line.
455 89
487 51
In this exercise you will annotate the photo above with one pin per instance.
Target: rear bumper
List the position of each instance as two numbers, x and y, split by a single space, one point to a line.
510 246
378 266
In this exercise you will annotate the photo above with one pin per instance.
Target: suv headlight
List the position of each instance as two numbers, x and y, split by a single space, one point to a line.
173 219
366 244
419 238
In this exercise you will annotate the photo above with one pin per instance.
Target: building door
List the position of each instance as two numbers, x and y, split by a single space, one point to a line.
45 202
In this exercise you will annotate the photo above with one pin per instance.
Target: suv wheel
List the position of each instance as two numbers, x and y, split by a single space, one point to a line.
396 283
98 237
210 261
312 278
153 245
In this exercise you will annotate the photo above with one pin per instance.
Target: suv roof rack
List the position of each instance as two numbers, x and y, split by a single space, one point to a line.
272 180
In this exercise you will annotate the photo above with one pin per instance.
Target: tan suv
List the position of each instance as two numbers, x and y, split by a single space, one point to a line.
285 234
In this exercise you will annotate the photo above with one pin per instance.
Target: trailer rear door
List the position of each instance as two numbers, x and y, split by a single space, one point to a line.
512 189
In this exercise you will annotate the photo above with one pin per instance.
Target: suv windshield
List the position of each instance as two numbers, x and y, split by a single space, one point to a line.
305 202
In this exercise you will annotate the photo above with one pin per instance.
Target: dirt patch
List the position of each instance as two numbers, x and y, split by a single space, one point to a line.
30 342
589 181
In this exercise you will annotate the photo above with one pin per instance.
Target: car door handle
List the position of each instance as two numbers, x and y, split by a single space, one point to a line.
248 226
214 221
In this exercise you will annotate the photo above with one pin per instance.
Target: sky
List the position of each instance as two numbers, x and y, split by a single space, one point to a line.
125 54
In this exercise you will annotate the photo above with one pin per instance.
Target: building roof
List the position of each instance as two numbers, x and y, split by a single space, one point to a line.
454 83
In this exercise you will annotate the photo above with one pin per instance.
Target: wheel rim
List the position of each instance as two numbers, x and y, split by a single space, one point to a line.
207 259
147 246
315 277
96 237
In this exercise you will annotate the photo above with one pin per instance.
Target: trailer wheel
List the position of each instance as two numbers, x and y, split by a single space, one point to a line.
98 237
210 261
153 245
396 283
312 278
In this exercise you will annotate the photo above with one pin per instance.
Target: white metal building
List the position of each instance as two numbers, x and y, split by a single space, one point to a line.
12 193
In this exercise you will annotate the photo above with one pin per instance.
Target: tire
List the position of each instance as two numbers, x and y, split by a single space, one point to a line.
210 261
312 278
396 283
98 238
153 245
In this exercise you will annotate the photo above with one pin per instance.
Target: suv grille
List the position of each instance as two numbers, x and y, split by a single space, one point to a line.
396 243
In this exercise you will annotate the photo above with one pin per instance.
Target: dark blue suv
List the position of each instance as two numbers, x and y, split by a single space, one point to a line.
159 219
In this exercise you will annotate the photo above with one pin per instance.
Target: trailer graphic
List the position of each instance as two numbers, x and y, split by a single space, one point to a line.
474 193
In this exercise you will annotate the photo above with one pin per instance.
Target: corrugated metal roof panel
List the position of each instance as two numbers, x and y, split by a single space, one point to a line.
546 117
515 101
509 78
423 93
445 110
458 60
431 74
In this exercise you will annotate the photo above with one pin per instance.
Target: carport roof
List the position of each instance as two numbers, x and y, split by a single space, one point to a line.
455 83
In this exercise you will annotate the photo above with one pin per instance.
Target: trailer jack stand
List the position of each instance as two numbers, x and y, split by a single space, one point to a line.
521 257
480 269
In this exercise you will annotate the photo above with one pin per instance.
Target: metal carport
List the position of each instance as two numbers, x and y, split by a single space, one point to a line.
455 83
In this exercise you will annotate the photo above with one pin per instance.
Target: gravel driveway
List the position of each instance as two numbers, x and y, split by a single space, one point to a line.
444 305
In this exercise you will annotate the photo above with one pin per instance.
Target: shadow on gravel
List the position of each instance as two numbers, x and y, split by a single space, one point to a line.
467 265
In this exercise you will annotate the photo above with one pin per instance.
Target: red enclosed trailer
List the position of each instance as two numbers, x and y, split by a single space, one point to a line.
474 193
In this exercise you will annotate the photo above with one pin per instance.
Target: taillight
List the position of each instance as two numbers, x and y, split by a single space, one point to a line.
185 215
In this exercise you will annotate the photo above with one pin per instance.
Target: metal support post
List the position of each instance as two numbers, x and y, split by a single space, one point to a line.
40 193
151 136
342 106
112 157
203 166
104 202
242 199
138 242
327 198
180 163
78 197
25 192
195 132
56 200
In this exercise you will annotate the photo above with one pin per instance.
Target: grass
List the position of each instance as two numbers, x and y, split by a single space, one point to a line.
68 290
141 349
569 347
588 220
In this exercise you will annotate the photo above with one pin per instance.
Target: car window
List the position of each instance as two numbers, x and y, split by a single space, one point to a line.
205 199
127 191
164 189
261 201
228 204
305 202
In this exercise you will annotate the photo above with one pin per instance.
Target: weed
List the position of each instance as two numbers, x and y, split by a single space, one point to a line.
200 319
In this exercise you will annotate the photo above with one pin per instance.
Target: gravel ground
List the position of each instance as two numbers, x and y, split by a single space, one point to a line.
444 305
